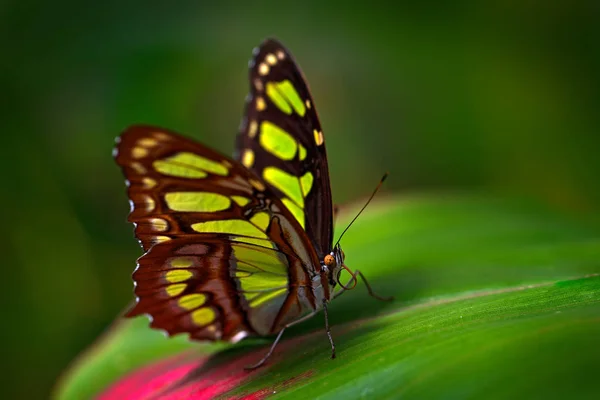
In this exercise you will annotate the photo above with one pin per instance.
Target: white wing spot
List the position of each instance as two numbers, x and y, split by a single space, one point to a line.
258 85
252 129
318 137
263 69
248 158
260 104
271 59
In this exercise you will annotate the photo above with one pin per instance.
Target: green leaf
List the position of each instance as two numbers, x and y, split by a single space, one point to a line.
494 299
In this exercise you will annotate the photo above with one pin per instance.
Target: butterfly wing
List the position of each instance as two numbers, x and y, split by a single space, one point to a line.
281 140
224 257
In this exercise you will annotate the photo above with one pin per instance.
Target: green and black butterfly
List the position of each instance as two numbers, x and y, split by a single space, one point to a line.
236 247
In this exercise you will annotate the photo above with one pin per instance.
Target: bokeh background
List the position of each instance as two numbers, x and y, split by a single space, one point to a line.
499 97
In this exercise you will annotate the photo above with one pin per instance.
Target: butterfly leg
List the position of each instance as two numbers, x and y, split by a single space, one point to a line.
328 330
266 357
371 292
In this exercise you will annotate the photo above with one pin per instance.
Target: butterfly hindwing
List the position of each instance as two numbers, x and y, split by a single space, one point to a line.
214 288
224 258
281 140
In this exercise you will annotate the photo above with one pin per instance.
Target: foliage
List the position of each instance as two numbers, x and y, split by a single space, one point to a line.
494 298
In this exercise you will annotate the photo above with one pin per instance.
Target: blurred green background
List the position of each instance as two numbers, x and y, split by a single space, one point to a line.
498 97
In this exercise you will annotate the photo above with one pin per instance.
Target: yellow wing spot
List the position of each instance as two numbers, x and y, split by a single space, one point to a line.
175 289
192 301
271 59
280 54
159 224
160 135
242 274
197 201
261 220
255 300
283 94
277 141
307 103
257 185
181 171
278 99
318 137
214 167
258 85
248 158
178 275
302 152
189 165
230 226
258 242
258 260
139 152
252 129
203 316
260 104
306 183
285 182
260 274
241 200
295 210
148 183
149 203
147 142
263 69
160 239
138 167
181 262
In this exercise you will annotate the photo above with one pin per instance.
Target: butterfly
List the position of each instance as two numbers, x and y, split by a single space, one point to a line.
243 246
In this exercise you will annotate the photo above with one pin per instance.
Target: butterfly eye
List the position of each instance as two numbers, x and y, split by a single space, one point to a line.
329 260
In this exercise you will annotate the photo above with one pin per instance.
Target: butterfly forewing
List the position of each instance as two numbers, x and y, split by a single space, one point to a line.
225 259
281 140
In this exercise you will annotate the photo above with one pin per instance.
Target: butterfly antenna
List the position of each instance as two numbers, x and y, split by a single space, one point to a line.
362 209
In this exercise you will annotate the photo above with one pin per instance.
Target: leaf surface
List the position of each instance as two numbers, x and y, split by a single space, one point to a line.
494 298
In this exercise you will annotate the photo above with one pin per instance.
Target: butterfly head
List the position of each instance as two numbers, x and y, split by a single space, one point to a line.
332 265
